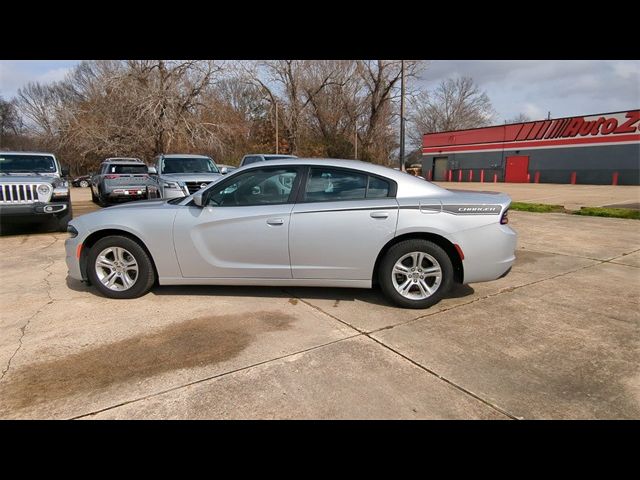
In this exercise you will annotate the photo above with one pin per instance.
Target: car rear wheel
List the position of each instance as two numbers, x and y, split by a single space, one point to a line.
84 183
120 268
415 273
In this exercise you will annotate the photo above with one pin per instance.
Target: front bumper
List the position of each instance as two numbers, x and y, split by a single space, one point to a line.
33 211
72 258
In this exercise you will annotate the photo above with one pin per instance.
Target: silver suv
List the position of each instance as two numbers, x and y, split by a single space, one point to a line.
33 190
180 175
261 157
121 180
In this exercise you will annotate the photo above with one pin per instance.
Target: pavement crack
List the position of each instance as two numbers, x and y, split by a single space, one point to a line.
444 379
449 382
22 334
24 327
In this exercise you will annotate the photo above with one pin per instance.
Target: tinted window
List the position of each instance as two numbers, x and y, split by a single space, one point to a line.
378 188
257 187
26 163
189 165
327 185
127 169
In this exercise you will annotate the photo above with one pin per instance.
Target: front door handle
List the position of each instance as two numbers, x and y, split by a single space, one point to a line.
379 214
275 221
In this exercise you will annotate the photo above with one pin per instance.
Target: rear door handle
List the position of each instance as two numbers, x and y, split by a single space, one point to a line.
275 221
379 214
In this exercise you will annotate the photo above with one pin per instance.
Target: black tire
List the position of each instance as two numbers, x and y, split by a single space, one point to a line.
64 221
101 200
398 251
146 275
94 199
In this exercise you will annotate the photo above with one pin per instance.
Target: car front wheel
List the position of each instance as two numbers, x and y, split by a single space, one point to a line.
415 273
84 183
120 268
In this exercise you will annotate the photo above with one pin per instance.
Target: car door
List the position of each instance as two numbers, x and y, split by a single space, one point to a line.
341 223
242 228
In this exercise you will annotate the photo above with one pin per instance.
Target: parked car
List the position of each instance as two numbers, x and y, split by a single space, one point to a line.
224 169
317 222
33 190
261 157
180 175
122 179
83 181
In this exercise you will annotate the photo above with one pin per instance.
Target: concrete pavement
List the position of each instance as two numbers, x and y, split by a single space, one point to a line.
559 337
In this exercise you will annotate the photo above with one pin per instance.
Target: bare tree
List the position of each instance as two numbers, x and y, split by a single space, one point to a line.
456 104
10 122
520 118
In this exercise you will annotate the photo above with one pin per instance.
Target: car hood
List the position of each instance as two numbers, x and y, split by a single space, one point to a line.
190 177
31 178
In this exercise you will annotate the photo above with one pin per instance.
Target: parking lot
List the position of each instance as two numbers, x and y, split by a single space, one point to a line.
559 337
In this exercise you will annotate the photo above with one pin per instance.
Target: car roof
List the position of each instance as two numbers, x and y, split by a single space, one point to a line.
183 155
282 155
372 168
26 153
122 160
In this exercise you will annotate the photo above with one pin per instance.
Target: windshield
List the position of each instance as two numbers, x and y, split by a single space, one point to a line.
189 165
27 163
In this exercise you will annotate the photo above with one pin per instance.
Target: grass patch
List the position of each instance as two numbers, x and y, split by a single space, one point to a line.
536 207
609 212
590 211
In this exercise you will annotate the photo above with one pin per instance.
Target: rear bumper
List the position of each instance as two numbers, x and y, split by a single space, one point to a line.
489 252
124 194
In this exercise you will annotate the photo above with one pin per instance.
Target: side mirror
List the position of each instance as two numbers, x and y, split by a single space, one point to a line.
224 170
152 171
64 171
198 200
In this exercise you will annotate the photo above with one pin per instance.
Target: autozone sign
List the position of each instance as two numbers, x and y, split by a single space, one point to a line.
628 122
587 130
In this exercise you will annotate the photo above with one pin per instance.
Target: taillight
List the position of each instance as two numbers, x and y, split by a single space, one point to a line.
111 177
505 217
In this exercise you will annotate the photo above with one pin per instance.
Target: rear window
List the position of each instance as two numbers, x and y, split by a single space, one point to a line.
127 169
378 188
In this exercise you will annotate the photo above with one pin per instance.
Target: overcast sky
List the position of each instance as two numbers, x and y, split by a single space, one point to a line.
533 87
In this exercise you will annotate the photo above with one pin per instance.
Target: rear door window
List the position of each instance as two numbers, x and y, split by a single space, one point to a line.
332 185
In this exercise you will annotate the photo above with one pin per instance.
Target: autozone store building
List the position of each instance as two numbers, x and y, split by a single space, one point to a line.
594 149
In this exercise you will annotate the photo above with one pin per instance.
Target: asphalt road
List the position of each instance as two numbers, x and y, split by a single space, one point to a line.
559 337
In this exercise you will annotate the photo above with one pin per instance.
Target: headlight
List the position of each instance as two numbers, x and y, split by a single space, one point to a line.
44 189
170 185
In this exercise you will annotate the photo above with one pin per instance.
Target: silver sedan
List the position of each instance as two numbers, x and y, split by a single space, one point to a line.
302 222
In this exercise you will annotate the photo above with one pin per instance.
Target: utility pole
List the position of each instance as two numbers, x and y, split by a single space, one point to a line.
277 140
402 116
355 142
